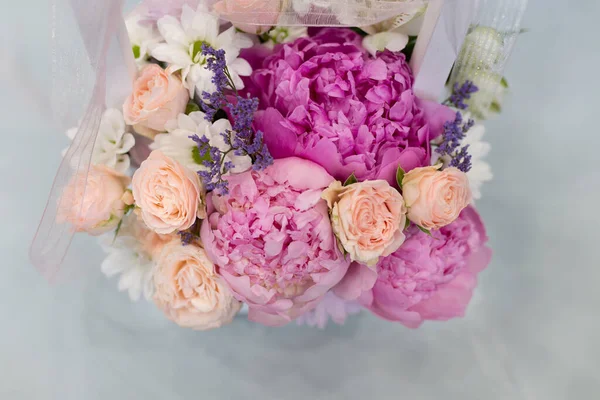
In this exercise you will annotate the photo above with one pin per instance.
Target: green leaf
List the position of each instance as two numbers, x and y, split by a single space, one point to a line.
406 224
191 107
504 83
351 180
495 108
400 176
200 158
410 46
424 230
137 52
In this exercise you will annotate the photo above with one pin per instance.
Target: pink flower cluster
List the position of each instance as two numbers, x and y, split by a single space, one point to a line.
327 100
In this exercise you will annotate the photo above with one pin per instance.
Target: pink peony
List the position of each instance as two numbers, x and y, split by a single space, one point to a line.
272 239
327 100
431 277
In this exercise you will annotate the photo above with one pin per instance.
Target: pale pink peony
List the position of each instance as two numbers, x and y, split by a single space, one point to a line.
169 195
368 218
252 16
272 239
435 198
94 205
430 277
188 289
157 97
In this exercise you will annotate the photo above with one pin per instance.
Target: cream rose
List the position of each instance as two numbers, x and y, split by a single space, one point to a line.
169 195
368 218
157 97
435 198
252 16
188 289
102 207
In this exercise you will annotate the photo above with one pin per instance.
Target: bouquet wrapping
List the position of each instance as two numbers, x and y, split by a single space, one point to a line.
305 158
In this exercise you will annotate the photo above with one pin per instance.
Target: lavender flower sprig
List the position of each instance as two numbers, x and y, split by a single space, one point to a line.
241 140
460 93
454 132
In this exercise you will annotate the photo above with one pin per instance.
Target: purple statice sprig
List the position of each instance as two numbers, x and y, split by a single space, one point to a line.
454 133
191 234
461 93
241 140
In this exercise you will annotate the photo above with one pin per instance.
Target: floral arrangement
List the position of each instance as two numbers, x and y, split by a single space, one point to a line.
293 170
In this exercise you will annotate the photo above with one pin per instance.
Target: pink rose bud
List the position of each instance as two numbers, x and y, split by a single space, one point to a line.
102 207
368 218
169 195
252 16
188 289
435 198
157 97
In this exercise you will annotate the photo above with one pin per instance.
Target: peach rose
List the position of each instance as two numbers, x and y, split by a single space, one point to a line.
188 289
102 208
157 97
169 195
435 198
262 13
368 218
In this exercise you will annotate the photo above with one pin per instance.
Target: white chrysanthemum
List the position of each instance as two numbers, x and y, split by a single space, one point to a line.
178 145
481 171
113 142
128 257
284 34
143 38
184 39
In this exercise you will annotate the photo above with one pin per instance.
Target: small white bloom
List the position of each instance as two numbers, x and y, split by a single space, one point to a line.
178 145
113 141
284 34
184 38
392 41
128 258
143 38
481 171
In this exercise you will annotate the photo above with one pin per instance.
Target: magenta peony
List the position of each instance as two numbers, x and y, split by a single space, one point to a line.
327 100
431 277
272 240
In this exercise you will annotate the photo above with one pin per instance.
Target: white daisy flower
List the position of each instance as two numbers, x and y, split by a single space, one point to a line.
131 255
113 141
143 38
481 171
178 145
184 39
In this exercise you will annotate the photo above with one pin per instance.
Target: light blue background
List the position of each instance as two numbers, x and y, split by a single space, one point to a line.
531 333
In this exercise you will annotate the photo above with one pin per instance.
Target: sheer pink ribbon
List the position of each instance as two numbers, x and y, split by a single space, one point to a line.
100 27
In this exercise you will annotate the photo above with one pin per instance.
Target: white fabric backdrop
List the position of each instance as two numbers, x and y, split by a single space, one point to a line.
532 332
